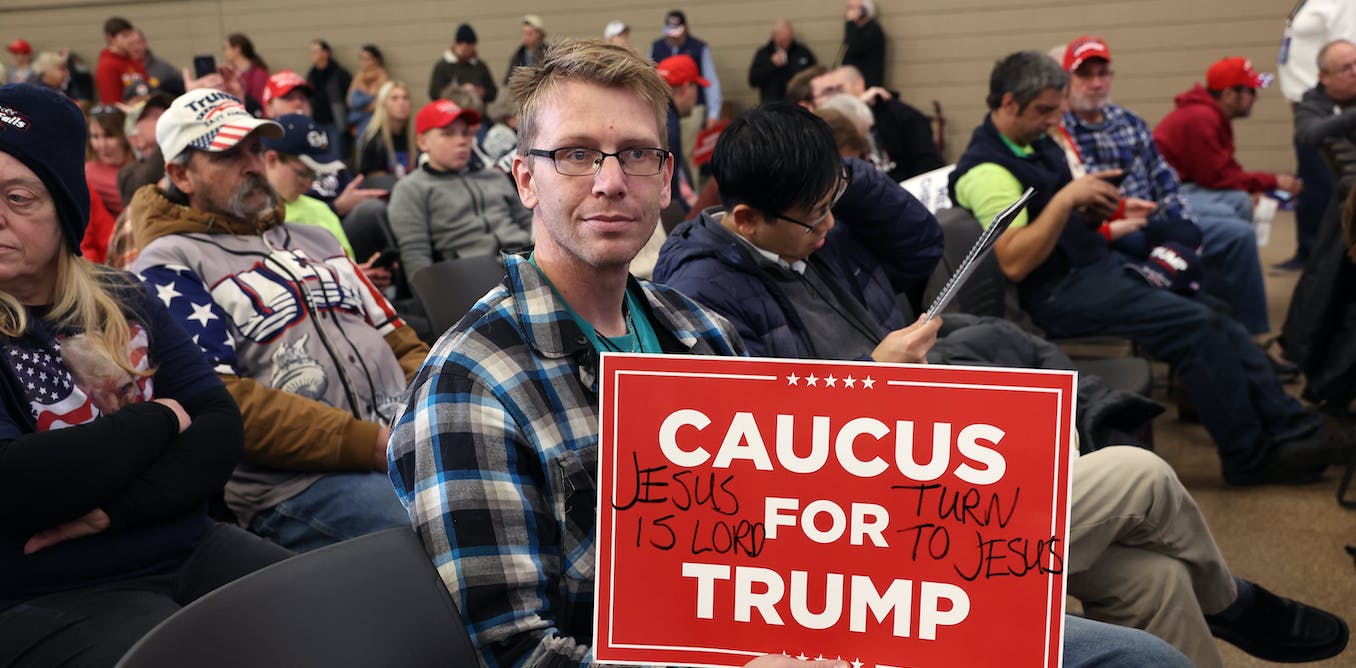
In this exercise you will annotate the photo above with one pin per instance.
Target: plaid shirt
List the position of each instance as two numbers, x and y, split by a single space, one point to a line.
495 455
1123 141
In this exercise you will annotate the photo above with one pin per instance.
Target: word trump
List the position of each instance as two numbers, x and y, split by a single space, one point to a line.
764 590
743 440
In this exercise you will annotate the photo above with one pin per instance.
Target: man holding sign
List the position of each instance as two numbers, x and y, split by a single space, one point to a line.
495 453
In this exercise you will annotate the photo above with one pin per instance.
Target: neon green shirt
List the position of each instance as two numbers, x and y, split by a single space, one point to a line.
988 188
311 211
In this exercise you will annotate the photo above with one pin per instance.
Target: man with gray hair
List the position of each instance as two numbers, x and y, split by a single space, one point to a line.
310 350
864 41
1073 284
1326 115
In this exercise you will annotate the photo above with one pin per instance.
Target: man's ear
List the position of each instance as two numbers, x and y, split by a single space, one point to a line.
746 219
178 174
524 180
271 159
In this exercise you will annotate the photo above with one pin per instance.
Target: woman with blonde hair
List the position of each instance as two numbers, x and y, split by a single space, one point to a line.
115 433
387 146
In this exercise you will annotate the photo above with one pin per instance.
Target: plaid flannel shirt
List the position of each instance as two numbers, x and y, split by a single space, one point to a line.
495 456
1124 141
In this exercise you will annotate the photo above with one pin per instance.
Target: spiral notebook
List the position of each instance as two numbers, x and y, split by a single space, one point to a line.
977 252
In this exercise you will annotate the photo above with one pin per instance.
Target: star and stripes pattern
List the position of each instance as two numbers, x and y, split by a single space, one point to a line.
189 302
54 397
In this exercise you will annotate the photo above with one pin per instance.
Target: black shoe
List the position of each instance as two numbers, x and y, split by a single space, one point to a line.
1283 630
1297 461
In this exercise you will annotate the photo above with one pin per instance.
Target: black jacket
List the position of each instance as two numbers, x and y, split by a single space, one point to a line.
770 79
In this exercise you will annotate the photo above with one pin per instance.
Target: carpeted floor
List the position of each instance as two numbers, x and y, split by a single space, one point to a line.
1289 539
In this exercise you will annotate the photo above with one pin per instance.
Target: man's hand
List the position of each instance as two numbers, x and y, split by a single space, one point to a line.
1123 227
1093 193
379 455
909 345
184 420
783 661
353 194
379 276
225 79
778 58
1289 183
1138 208
873 94
88 524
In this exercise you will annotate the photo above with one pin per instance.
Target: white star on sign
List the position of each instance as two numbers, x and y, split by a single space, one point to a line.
793 379
868 383
857 664
849 382
830 381
202 313
167 293
812 380
802 657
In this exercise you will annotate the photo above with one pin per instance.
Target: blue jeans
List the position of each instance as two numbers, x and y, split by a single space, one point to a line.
1313 200
1089 644
337 507
1226 375
1233 271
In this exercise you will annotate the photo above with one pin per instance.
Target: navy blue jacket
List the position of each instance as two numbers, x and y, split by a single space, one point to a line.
883 242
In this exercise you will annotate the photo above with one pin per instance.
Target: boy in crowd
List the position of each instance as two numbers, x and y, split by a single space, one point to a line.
446 209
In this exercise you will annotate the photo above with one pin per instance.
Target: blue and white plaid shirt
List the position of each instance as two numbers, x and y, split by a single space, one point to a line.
1124 141
495 456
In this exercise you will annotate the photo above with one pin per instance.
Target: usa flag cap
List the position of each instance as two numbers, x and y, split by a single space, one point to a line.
208 120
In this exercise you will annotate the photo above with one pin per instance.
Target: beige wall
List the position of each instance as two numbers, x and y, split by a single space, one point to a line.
940 49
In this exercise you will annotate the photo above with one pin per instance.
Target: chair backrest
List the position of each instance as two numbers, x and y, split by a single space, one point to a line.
370 601
985 293
366 229
449 289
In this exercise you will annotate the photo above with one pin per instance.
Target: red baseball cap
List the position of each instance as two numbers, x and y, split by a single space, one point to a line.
20 45
680 69
442 113
282 83
1235 71
1083 48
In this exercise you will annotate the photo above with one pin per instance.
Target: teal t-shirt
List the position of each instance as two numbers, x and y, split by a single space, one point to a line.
640 336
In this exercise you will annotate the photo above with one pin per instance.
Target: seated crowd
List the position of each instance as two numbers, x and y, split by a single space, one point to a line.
232 372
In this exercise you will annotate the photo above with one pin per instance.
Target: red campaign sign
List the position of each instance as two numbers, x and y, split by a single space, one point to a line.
887 515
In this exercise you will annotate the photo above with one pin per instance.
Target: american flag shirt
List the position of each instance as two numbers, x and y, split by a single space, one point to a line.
53 394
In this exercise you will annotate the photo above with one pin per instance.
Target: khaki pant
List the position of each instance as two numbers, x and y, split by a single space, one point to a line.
1140 553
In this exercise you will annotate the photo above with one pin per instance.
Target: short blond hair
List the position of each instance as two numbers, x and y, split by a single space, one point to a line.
588 61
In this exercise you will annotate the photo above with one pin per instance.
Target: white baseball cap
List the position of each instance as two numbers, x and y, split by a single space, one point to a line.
208 120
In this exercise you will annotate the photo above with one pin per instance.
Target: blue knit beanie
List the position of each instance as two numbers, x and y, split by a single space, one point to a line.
46 132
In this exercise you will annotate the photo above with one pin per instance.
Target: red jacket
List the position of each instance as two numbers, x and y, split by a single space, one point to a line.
114 73
1197 139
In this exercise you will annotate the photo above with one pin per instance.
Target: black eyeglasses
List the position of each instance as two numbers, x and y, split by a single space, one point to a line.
580 161
839 189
